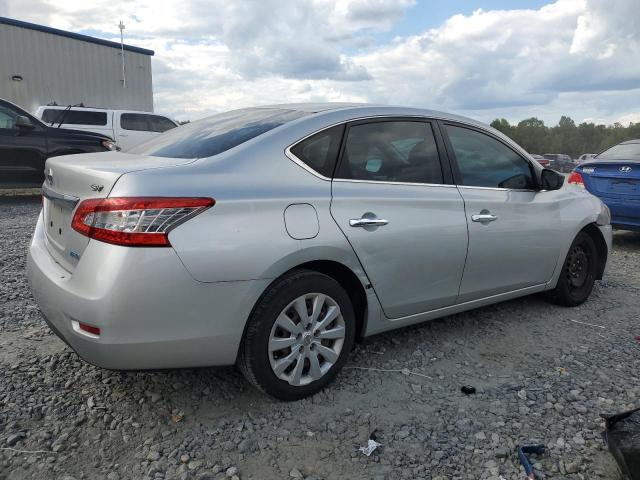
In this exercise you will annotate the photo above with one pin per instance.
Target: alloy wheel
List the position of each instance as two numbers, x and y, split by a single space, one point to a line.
306 339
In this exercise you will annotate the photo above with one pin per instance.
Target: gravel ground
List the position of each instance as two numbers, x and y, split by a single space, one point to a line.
539 377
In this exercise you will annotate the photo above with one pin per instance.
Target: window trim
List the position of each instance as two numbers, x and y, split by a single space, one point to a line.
289 154
303 164
456 169
448 178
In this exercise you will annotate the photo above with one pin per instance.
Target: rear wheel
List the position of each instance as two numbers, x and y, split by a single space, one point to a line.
578 273
298 337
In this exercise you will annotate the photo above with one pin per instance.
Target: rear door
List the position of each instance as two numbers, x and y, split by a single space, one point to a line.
514 229
21 150
402 215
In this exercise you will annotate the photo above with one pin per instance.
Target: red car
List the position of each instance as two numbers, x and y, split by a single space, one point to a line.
545 162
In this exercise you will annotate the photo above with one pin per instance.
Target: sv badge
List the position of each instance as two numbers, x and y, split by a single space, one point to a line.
96 188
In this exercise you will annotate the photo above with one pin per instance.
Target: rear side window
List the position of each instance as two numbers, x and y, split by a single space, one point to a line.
623 151
74 117
393 151
135 121
320 151
485 162
216 134
160 124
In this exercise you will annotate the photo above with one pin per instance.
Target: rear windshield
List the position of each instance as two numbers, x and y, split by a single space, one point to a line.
219 133
74 117
623 151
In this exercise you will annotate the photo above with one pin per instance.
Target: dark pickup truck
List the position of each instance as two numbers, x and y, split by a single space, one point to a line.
26 143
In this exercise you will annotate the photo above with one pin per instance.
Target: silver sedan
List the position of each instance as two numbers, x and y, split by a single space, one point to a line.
275 237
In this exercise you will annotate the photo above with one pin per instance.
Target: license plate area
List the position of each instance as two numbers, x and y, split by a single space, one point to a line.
57 223
623 186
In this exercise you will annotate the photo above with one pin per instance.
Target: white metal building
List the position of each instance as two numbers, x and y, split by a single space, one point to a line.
41 65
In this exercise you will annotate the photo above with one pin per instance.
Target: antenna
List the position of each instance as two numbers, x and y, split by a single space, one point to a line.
124 77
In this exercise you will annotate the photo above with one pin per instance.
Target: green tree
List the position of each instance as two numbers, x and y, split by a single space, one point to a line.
566 137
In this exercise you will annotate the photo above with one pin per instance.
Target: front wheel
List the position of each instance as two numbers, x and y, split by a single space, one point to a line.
298 337
578 273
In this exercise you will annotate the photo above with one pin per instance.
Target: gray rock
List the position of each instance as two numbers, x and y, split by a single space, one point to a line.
15 438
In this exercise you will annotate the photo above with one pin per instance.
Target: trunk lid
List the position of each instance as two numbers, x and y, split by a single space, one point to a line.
73 178
614 179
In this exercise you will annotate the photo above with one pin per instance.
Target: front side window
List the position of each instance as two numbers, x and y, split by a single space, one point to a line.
320 151
74 117
219 133
135 121
485 162
7 117
392 151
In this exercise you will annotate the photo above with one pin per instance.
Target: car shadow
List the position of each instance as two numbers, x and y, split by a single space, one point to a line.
626 240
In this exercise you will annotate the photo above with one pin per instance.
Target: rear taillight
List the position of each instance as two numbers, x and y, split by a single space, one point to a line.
135 221
576 178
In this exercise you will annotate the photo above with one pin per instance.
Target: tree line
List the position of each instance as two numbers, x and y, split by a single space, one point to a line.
566 137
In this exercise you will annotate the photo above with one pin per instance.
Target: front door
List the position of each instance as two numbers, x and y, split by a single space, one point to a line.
405 222
22 150
514 229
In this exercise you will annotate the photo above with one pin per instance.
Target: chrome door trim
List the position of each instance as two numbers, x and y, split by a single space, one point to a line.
368 222
60 198
484 217
499 189
300 163
385 182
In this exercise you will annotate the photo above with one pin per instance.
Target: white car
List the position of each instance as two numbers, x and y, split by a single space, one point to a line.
585 157
127 127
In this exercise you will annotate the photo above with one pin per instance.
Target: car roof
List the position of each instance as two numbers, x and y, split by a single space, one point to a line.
637 140
358 110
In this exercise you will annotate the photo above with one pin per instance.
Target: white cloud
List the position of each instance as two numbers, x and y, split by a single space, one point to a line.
575 57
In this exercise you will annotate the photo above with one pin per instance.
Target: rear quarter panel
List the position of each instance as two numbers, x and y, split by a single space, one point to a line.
243 236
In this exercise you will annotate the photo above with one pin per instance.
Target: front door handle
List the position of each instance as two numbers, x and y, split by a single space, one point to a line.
483 217
367 222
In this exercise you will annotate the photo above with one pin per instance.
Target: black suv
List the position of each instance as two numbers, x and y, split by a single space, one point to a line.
26 143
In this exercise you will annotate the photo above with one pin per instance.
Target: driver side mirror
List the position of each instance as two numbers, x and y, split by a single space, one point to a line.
24 123
551 180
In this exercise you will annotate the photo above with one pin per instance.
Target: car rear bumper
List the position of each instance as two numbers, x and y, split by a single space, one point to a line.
150 311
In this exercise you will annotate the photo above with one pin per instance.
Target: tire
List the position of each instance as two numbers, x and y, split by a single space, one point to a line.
302 360
578 273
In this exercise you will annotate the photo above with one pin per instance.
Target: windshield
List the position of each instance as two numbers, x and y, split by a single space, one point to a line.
219 133
622 151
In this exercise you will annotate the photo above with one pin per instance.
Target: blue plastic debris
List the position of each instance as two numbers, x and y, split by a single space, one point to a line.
522 450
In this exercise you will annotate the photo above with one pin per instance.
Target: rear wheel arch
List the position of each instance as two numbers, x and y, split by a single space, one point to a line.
341 274
350 282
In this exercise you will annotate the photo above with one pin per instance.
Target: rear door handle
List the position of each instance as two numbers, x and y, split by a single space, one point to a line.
368 222
483 217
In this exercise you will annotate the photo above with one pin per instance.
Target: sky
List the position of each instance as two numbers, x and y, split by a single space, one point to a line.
483 59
